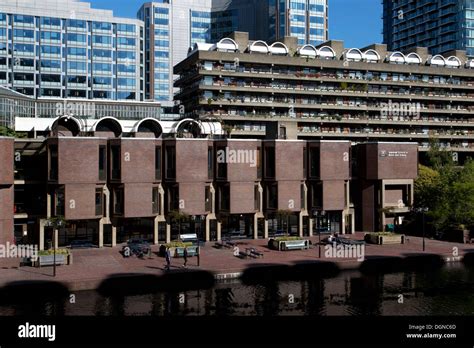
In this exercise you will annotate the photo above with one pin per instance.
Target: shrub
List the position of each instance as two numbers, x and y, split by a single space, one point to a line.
282 239
51 252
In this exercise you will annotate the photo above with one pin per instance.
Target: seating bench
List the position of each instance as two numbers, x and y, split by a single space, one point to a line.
295 245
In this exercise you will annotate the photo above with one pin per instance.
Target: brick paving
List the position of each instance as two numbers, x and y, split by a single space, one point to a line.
91 266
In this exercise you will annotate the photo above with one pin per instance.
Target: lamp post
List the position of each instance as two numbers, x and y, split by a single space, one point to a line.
318 214
423 211
56 224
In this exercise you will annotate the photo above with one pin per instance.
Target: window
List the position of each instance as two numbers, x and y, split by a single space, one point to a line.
59 202
101 26
156 208
221 165
269 162
272 196
102 162
53 162
170 158
210 162
115 162
56 22
314 163
224 197
99 202
256 194
208 199
118 200
317 195
158 163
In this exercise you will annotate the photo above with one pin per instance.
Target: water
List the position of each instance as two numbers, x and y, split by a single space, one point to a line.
445 291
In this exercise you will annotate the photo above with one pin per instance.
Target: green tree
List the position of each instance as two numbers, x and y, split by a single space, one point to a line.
178 217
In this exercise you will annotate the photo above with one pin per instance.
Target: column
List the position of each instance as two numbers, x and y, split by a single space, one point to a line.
114 236
255 227
219 228
156 225
310 227
343 222
168 233
300 224
265 229
208 229
101 233
41 235
56 233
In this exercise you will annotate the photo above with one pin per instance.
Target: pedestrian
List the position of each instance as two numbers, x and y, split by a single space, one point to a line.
168 258
185 255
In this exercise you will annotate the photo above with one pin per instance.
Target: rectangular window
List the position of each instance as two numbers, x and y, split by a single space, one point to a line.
102 162
269 162
272 196
115 162
170 158
99 207
256 194
158 163
53 162
208 198
210 162
156 201
314 162
59 202
118 200
224 198
221 165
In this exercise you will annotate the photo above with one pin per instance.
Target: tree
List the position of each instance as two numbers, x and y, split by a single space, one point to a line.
179 217
284 215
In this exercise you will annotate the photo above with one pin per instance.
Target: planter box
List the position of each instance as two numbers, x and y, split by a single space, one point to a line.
377 239
49 260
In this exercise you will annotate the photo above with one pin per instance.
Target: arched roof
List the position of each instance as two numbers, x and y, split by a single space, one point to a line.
413 58
371 55
279 48
397 57
199 46
227 44
70 123
108 124
326 52
453 62
470 63
353 54
437 60
148 125
259 47
308 51
178 126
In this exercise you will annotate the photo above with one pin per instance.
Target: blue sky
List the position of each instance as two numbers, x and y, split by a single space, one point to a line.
357 22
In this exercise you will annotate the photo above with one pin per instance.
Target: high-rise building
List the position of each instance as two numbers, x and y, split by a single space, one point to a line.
53 48
172 27
440 25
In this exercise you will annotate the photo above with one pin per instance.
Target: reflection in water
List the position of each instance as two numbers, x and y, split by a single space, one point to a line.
445 291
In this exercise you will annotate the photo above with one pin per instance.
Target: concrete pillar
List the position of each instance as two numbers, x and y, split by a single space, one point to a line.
343 223
168 233
101 233
382 205
219 230
48 205
156 225
208 229
265 229
310 227
41 234
56 234
255 227
300 224
114 236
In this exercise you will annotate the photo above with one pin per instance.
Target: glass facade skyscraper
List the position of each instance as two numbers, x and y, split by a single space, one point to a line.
440 25
67 49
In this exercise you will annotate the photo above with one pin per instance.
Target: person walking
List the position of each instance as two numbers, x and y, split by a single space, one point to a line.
168 258
185 255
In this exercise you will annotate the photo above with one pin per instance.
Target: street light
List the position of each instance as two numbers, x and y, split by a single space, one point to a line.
319 214
55 223
422 211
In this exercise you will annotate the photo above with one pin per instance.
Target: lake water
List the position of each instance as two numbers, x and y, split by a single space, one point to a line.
445 291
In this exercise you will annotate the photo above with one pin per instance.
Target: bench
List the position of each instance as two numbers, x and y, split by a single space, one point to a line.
294 245
190 237
192 251
254 252
49 260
